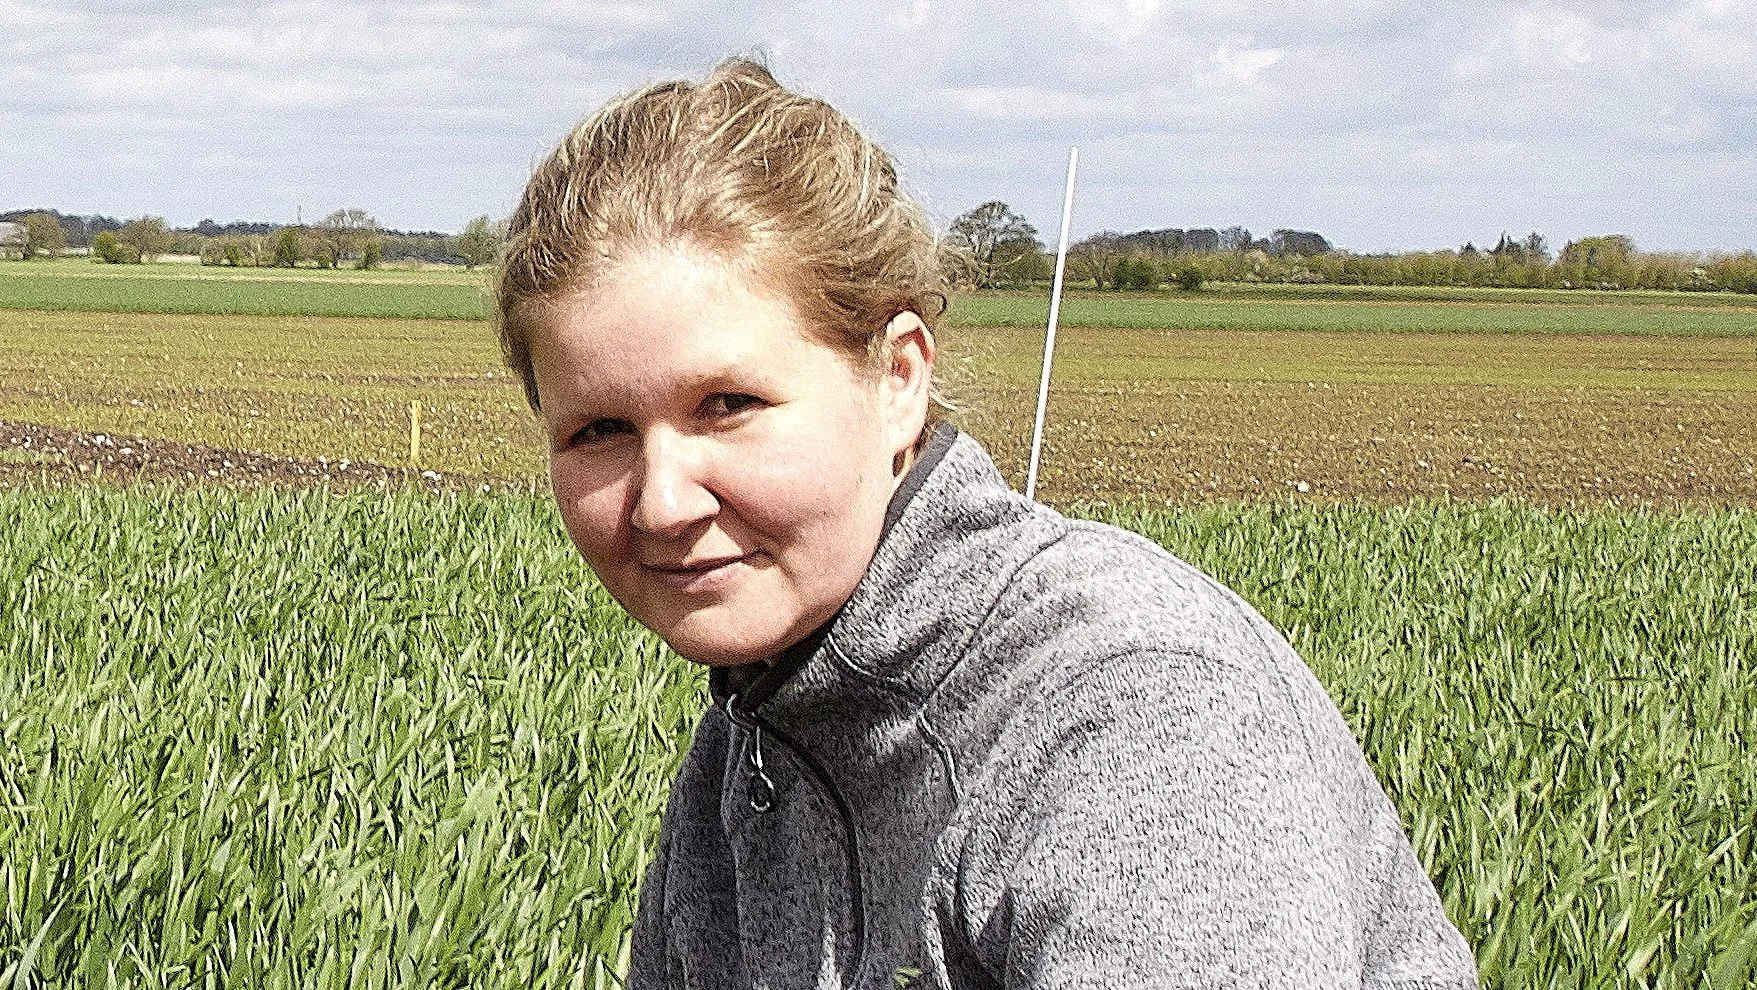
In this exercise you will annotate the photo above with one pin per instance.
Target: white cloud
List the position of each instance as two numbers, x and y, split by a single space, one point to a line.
1026 103
1245 64
913 16
22 16
1125 19
1550 35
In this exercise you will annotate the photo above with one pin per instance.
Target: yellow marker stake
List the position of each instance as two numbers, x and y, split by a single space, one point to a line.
415 432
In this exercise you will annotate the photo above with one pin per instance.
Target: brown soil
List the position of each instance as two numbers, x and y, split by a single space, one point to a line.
1197 441
1180 443
31 453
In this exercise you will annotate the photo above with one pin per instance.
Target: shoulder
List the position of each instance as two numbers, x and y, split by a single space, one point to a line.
993 606
1157 777
1110 669
1101 611
1102 657
1136 593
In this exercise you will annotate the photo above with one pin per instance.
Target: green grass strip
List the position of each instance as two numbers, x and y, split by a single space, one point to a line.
455 295
1666 315
187 290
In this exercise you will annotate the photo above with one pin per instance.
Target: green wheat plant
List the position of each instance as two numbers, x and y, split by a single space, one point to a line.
303 739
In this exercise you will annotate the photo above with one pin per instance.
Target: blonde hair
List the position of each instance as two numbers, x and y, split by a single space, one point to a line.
780 183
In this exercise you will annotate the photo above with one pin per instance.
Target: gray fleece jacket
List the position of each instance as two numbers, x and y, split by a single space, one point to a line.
1032 752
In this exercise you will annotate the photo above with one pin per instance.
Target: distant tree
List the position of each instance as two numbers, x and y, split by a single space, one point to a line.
148 237
78 230
995 238
1161 243
1603 251
1135 272
258 250
232 252
1601 262
479 242
371 256
1021 260
1201 239
109 248
1736 273
1508 250
1095 257
42 232
1537 248
74 229
1235 239
1301 242
346 232
1189 278
287 247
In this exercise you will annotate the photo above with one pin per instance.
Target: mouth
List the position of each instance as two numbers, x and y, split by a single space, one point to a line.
698 576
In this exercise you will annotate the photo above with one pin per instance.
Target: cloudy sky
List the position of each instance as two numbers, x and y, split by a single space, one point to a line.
1382 125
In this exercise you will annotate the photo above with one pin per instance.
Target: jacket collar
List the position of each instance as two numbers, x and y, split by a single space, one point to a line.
941 558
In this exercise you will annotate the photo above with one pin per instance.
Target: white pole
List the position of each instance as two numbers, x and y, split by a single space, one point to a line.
1055 302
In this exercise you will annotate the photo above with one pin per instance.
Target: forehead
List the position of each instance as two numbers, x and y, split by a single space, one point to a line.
677 298
667 316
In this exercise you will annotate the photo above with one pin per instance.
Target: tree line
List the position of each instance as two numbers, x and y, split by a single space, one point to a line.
995 247
347 237
990 246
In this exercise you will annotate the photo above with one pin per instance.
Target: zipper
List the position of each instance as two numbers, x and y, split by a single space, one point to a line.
760 795
759 789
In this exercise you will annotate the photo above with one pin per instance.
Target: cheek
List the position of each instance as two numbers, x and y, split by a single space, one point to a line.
592 514
820 481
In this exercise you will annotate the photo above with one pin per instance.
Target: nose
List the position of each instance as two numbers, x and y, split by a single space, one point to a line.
671 496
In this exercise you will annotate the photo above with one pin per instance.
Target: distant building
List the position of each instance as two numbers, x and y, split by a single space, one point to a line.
12 240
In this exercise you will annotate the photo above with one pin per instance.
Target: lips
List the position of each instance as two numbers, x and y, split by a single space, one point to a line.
697 576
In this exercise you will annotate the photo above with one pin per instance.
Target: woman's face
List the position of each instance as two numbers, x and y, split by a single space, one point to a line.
725 475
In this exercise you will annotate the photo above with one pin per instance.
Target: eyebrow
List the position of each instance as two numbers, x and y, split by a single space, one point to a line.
713 379
723 378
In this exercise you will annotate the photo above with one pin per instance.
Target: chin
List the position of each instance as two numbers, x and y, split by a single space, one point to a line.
714 653
710 640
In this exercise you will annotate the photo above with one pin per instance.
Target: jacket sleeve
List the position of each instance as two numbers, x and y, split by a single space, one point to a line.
1173 820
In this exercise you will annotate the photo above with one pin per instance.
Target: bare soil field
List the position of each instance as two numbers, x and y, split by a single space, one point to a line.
1555 420
36 453
1230 440
1156 415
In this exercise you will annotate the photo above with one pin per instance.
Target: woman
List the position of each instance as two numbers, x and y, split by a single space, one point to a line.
957 740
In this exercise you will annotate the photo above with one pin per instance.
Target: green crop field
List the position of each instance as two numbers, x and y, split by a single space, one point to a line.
313 741
1493 311
296 739
84 287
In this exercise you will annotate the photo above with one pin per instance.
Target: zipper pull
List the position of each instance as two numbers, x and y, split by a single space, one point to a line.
759 790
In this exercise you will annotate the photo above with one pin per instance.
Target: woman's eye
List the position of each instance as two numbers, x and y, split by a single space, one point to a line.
599 430
731 403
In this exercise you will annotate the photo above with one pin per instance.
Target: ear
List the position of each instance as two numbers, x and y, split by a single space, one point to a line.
906 379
